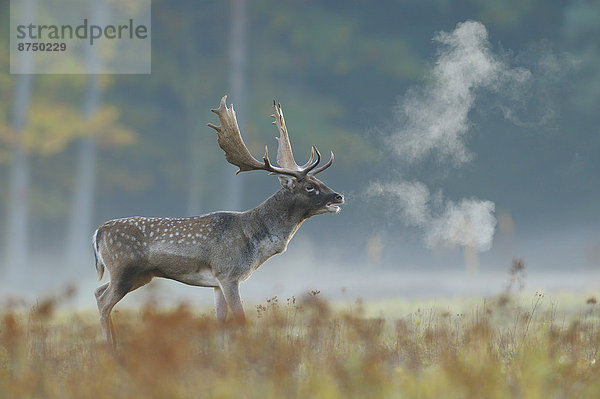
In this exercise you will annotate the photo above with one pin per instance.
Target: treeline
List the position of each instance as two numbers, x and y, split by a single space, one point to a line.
338 68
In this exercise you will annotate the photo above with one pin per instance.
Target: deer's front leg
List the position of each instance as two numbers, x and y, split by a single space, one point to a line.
220 305
231 292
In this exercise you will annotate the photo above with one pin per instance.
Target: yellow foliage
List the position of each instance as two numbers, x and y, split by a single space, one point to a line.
52 127
104 127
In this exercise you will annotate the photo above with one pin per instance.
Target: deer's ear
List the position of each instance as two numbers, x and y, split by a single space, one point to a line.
288 182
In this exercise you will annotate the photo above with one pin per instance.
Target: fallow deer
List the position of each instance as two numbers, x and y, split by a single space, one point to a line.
220 249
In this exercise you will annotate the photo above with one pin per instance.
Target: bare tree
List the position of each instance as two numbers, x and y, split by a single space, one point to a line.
17 233
237 84
81 219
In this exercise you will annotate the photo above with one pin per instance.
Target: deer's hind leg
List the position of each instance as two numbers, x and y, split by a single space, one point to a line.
109 294
107 298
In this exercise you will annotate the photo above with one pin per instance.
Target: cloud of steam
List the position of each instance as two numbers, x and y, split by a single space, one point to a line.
470 223
411 198
434 118
535 103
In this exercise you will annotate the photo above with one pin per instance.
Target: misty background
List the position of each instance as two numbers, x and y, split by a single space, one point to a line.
465 134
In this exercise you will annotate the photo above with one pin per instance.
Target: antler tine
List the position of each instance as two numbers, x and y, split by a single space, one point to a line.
314 164
267 161
323 167
285 157
312 157
222 107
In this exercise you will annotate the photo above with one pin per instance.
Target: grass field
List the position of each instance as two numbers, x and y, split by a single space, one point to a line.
510 346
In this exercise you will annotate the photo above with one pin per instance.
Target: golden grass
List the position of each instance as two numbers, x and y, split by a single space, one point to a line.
498 348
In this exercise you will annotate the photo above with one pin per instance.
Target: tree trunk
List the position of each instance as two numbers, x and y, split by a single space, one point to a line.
19 181
195 182
17 234
81 220
237 87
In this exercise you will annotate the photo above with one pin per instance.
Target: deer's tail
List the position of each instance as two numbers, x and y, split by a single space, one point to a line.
98 255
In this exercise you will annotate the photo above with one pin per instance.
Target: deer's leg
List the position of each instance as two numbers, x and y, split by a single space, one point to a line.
221 310
231 292
220 305
100 290
107 298
100 293
109 294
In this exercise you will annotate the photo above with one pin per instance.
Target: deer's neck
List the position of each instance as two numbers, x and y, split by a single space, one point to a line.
277 217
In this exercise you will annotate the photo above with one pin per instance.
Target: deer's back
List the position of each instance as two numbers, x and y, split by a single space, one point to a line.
158 243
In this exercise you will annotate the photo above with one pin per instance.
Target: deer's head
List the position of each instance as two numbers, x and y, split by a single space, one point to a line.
309 194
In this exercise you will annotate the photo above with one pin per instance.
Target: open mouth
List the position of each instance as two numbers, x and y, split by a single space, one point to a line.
333 207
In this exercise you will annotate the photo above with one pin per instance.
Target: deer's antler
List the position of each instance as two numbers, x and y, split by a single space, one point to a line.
285 157
230 140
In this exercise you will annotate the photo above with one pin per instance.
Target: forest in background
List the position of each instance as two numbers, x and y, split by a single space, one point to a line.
339 68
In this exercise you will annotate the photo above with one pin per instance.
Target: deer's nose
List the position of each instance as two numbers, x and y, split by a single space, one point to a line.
339 198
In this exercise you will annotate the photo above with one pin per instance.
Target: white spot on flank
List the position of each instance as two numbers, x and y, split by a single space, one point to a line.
151 233
171 235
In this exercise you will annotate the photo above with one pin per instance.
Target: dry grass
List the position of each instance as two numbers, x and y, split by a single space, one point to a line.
499 348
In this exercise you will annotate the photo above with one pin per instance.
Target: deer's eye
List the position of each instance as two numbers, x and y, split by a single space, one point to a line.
310 188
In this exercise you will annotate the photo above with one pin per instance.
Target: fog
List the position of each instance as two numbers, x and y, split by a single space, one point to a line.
408 273
462 139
